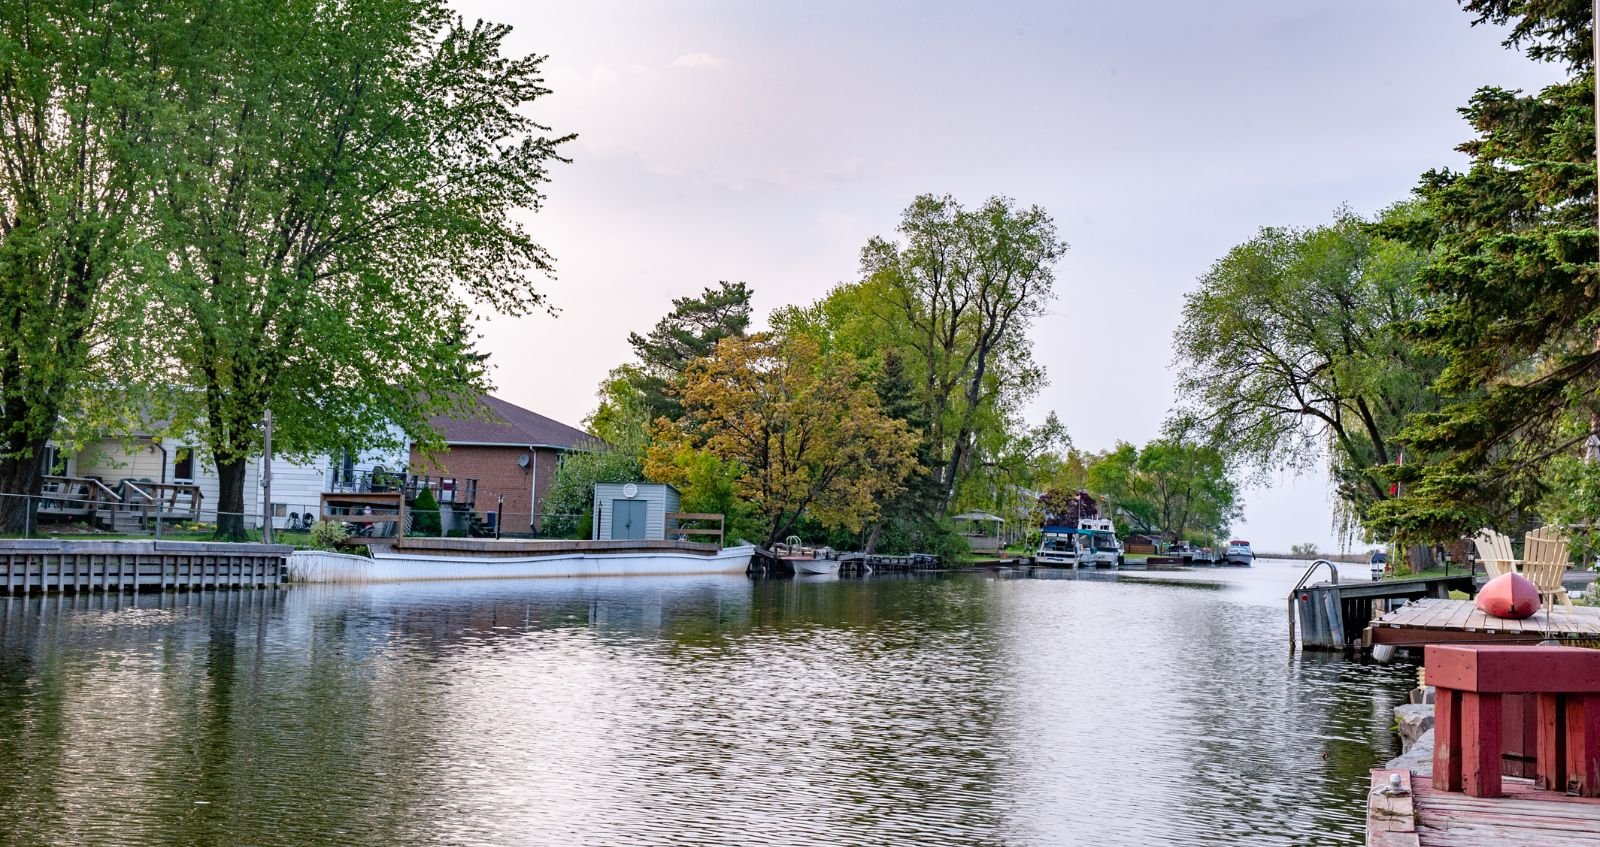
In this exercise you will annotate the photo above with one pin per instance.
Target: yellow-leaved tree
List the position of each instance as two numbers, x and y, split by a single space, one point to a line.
804 428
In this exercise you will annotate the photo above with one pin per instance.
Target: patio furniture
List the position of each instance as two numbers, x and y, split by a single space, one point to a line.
1469 682
1544 563
1494 550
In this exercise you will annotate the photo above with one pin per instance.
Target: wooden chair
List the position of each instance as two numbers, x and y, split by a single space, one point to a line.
1494 550
1544 563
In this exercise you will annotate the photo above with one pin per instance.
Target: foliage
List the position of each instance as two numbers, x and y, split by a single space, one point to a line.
1293 345
956 295
805 429
1513 291
707 482
425 518
1306 549
1172 487
337 188
569 503
328 535
75 104
635 395
1067 508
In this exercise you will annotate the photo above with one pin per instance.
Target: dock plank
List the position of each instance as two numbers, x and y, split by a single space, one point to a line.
1436 621
1426 817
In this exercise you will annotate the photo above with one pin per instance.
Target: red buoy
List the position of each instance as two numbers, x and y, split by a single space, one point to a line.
1509 595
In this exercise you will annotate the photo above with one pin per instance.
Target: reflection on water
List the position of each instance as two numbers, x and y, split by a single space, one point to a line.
695 710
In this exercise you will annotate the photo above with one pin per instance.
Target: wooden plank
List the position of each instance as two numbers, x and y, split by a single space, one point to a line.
1391 817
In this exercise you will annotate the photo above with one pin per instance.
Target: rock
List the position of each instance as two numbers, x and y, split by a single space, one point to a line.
1412 722
1418 759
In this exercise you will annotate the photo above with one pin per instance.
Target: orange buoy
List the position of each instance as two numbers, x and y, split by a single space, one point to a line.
1509 595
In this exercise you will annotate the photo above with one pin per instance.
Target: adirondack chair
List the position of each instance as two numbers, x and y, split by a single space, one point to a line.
1544 563
1494 550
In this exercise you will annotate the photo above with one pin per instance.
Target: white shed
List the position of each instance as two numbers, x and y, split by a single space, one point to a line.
632 510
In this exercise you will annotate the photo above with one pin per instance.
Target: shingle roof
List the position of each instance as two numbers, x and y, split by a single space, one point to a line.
500 422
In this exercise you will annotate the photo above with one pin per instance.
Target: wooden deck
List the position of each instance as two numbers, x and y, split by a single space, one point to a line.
1434 621
54 565
1426 817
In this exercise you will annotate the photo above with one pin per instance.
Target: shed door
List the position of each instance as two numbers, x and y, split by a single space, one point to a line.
627 519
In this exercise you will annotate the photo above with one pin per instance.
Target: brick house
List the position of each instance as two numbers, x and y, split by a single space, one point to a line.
512 453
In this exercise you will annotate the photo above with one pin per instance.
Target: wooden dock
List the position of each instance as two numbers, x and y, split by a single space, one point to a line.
54 565
1435 621
1418 815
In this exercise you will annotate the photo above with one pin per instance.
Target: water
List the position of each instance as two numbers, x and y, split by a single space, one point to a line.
1153 709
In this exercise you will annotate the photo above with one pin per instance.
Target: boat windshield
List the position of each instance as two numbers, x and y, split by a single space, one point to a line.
1105 542
1058 544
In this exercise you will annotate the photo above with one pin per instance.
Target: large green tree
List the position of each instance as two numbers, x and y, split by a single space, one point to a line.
1293 347
74 110
340 188
957 292
1513 288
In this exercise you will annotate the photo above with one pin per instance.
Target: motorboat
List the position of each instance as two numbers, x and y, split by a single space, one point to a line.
1238 553
805 566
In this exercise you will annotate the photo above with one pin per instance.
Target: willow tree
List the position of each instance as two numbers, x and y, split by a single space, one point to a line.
959 291
1293 347
72 113
341 186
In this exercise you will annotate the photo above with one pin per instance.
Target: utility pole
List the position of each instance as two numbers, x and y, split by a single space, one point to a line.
266 479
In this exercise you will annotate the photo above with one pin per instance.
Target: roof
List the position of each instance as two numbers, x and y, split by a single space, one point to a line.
500 422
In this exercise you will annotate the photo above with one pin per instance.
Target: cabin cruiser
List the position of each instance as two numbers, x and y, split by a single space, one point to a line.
1092 544
1238 553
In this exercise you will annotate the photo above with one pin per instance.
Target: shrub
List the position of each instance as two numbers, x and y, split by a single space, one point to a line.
425 514
328 535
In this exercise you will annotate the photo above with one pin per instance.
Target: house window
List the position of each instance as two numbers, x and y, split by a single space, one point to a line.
183 465
280 510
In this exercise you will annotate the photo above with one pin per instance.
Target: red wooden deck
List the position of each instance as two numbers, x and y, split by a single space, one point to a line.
1425 817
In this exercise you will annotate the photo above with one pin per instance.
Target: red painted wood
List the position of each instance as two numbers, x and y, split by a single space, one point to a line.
1480 744
1519 731
1552 743
1583 744
1518 669
1447 739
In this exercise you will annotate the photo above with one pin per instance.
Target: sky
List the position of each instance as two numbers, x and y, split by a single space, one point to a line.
767 142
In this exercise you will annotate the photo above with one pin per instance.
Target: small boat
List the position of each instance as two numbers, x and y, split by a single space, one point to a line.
813 567
1238 553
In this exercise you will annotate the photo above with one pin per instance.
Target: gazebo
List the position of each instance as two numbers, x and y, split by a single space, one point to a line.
978 531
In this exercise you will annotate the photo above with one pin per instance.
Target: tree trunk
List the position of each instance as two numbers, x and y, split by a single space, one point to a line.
230 500
21 475
873 538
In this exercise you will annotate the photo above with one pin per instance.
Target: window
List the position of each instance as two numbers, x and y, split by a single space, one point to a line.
50 461
183 465
280 510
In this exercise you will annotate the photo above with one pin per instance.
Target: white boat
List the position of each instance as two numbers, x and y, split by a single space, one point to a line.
1058 546
813 567
1098 546
1238 553
419 559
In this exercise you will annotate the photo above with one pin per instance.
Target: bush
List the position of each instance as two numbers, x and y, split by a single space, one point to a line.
425 514
328 535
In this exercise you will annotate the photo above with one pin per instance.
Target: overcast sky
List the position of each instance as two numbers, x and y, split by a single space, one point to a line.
767 141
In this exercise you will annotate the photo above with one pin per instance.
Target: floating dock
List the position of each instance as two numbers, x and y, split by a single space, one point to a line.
1435 621
1415 814
54 565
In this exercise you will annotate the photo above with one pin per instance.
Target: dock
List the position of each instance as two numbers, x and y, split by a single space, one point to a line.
1334 615
64 566
1442 621
1415 814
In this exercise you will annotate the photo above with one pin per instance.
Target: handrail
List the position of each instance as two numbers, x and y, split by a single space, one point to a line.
1333 570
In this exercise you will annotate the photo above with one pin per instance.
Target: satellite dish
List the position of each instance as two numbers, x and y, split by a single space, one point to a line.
630 491
522 461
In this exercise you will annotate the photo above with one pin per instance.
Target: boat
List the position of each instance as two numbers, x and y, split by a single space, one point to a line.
813 567
403 559
1238 553
1091 544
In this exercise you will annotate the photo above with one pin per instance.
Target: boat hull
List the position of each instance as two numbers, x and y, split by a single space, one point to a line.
389 565
814 567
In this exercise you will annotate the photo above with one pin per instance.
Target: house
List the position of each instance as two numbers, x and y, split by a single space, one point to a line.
512 452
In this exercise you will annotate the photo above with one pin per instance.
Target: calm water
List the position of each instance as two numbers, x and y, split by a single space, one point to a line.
1156 709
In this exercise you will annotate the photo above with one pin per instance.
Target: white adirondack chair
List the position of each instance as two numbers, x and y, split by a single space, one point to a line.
1494 550
1544 563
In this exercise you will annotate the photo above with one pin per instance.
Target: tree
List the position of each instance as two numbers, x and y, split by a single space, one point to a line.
569 503
425 517
805 428
74 109
1172 487
337 192
959 293
1513 290
1293 345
